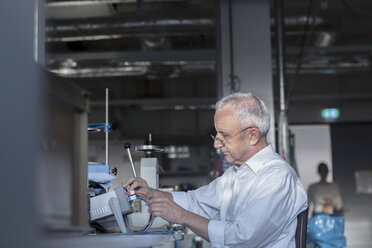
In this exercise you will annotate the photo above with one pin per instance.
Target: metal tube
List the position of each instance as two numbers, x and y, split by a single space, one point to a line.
127 147
131 162
107 154
280 67
280 59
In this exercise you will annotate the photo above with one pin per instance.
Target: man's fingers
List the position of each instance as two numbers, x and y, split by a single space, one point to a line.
153 203
134 183
159 200
129 182
158 210
157 214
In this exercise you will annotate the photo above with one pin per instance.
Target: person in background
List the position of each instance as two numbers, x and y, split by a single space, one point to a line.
255 202
325 197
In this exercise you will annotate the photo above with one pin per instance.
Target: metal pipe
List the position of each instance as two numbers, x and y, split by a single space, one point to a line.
107 153
280 59
280 64
231 40
94 26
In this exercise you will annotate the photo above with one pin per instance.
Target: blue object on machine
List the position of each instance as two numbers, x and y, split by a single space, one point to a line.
100 173
94 167
326 231
106 126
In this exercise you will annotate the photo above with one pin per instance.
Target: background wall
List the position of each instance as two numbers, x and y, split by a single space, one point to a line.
312 145
345 148
351 149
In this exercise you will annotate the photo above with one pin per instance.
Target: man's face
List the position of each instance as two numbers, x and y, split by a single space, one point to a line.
234 142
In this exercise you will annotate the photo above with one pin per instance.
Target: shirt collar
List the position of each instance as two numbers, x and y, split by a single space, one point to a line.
257 161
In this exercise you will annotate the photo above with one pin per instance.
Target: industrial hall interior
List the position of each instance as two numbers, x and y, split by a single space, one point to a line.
186 123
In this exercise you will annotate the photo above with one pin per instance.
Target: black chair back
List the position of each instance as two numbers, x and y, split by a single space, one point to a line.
301 230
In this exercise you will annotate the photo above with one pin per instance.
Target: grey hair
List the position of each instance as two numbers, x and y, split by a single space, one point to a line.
249 109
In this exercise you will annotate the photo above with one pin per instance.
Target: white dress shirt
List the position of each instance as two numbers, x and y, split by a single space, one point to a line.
254 205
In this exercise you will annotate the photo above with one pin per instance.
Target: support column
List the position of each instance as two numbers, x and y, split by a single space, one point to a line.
244 51
20 108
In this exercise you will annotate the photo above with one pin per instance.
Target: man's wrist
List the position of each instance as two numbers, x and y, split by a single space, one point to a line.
183 218
151 193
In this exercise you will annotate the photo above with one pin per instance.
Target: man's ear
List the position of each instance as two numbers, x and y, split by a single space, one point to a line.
254 136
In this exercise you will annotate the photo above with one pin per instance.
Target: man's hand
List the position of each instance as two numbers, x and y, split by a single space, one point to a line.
161 204
140 185
167 209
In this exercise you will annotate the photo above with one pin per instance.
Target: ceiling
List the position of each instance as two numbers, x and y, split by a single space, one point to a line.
161 55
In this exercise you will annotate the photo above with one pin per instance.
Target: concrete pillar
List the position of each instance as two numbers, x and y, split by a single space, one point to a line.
249 53
20 125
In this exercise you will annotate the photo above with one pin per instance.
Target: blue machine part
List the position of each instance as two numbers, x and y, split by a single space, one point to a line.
93 167
100 173
106 126
99 191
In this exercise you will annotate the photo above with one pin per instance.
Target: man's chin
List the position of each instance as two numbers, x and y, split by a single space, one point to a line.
228 158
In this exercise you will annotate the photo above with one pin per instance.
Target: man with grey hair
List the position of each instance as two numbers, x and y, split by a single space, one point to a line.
256 201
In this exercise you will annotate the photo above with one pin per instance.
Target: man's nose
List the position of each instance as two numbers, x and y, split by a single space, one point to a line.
218 143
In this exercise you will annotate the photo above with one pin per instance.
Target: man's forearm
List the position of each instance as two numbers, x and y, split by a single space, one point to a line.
155 193
162 204
196 223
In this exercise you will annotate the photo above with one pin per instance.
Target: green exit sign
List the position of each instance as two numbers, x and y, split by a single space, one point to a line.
330 113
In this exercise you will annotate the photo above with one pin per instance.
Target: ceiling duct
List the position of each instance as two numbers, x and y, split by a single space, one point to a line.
57 3
106 30
300 20
100 72
88 26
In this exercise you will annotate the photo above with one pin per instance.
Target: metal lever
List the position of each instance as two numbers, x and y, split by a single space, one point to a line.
127 147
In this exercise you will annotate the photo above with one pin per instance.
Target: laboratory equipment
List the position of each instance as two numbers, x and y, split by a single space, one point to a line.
148 171
99 177
110 209
149 164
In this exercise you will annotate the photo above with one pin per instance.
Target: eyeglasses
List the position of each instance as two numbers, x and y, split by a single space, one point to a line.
226 138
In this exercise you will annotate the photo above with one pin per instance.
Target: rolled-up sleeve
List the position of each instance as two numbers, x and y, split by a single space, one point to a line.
180 198
216 228
216 233
206 202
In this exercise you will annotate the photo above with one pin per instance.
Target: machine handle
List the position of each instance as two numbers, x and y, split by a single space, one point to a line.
127 147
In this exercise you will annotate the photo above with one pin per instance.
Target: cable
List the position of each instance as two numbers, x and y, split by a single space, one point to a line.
142 195
361 11
356 18
147 226
304 43
133 195
141 198
153 231
161 232
146 229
